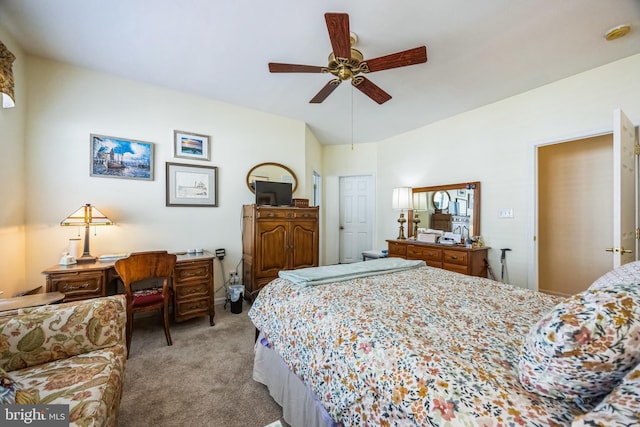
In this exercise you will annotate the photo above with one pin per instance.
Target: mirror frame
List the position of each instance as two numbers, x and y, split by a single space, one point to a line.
295 178
474 185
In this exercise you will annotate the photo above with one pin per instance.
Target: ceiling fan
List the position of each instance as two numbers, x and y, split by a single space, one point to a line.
345 62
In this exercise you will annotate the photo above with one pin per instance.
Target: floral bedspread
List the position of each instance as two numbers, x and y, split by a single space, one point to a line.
418 347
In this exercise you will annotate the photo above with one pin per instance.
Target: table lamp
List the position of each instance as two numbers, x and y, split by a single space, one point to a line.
86 216
402 199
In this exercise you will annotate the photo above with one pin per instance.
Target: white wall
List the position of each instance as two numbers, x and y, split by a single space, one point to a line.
493 145
66 104
12 175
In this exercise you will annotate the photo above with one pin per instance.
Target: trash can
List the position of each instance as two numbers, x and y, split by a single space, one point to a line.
235 295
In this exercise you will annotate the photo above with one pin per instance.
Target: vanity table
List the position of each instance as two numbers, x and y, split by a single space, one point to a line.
192 283
432 210
469 261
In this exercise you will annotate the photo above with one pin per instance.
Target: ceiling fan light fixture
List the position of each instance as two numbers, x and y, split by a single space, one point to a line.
617 32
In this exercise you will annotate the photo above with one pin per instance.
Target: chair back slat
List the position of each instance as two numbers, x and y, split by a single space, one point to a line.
145 265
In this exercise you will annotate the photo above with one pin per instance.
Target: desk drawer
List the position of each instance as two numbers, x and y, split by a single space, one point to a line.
194 290
190 271
78 285
191 308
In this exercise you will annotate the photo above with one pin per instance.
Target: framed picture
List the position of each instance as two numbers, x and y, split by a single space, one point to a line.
461 193
113 157
189 145
192 185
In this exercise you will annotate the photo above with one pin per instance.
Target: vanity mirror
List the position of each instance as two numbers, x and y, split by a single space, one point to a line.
451 207
273 172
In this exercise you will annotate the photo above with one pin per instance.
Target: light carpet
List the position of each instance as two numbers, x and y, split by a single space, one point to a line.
203 379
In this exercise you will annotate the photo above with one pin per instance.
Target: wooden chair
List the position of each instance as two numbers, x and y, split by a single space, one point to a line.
147 265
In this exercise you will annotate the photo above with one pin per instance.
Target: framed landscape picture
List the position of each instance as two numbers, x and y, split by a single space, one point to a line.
114 157
192 185
189 145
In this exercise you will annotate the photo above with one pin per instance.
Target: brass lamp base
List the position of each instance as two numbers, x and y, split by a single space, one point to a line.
401 220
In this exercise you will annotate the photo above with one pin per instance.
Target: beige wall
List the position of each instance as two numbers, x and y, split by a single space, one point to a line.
343 160
12 176
58 106
494 145
66 104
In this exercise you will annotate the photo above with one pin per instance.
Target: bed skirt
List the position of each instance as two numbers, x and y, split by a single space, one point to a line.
299 406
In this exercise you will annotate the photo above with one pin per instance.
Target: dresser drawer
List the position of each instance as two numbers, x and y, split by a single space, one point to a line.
432 254
397 249
455 257
306 214
274 214
456 267
414 252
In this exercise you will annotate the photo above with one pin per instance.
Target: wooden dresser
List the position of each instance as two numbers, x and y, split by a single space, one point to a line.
277 238
453 258
192 284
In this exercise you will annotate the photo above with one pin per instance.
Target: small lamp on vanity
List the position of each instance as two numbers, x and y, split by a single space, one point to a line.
86 216
402 199
419 204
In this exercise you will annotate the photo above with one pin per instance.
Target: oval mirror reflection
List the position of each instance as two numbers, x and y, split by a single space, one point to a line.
441 199
270 171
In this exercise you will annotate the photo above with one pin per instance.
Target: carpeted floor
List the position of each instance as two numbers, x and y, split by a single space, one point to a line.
204 379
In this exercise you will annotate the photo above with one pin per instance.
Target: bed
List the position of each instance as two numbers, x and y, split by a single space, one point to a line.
400 343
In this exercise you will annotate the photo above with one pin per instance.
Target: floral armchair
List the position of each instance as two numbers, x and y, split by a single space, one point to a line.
72 353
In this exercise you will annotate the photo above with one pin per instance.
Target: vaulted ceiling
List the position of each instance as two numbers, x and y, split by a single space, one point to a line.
478 51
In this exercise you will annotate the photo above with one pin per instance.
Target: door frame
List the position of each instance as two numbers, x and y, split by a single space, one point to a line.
532 270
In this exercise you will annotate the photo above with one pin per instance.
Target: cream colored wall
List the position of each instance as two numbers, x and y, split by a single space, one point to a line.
343 160
314 163
12 175
493 144
67 103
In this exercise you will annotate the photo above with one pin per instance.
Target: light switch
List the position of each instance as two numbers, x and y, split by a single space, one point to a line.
505 213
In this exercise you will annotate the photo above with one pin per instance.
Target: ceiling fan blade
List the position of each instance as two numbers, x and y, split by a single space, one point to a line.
370 89
338 27
413 56
325 91
276 67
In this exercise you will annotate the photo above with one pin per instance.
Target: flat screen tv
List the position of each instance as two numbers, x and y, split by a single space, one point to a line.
270 193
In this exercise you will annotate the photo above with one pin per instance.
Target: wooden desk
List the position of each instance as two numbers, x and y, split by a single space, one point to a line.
30 300
192 283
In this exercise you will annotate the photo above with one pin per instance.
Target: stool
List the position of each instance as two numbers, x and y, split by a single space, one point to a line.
373 254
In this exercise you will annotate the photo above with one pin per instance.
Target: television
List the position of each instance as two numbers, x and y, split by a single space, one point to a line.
269 193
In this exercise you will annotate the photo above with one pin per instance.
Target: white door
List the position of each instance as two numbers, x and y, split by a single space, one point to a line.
624 191
356 217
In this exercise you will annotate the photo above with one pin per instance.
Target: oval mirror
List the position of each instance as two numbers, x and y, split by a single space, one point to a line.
441 199
270 171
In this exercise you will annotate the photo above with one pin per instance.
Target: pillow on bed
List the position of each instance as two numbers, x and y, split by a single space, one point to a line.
585 345
620 408
626 273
